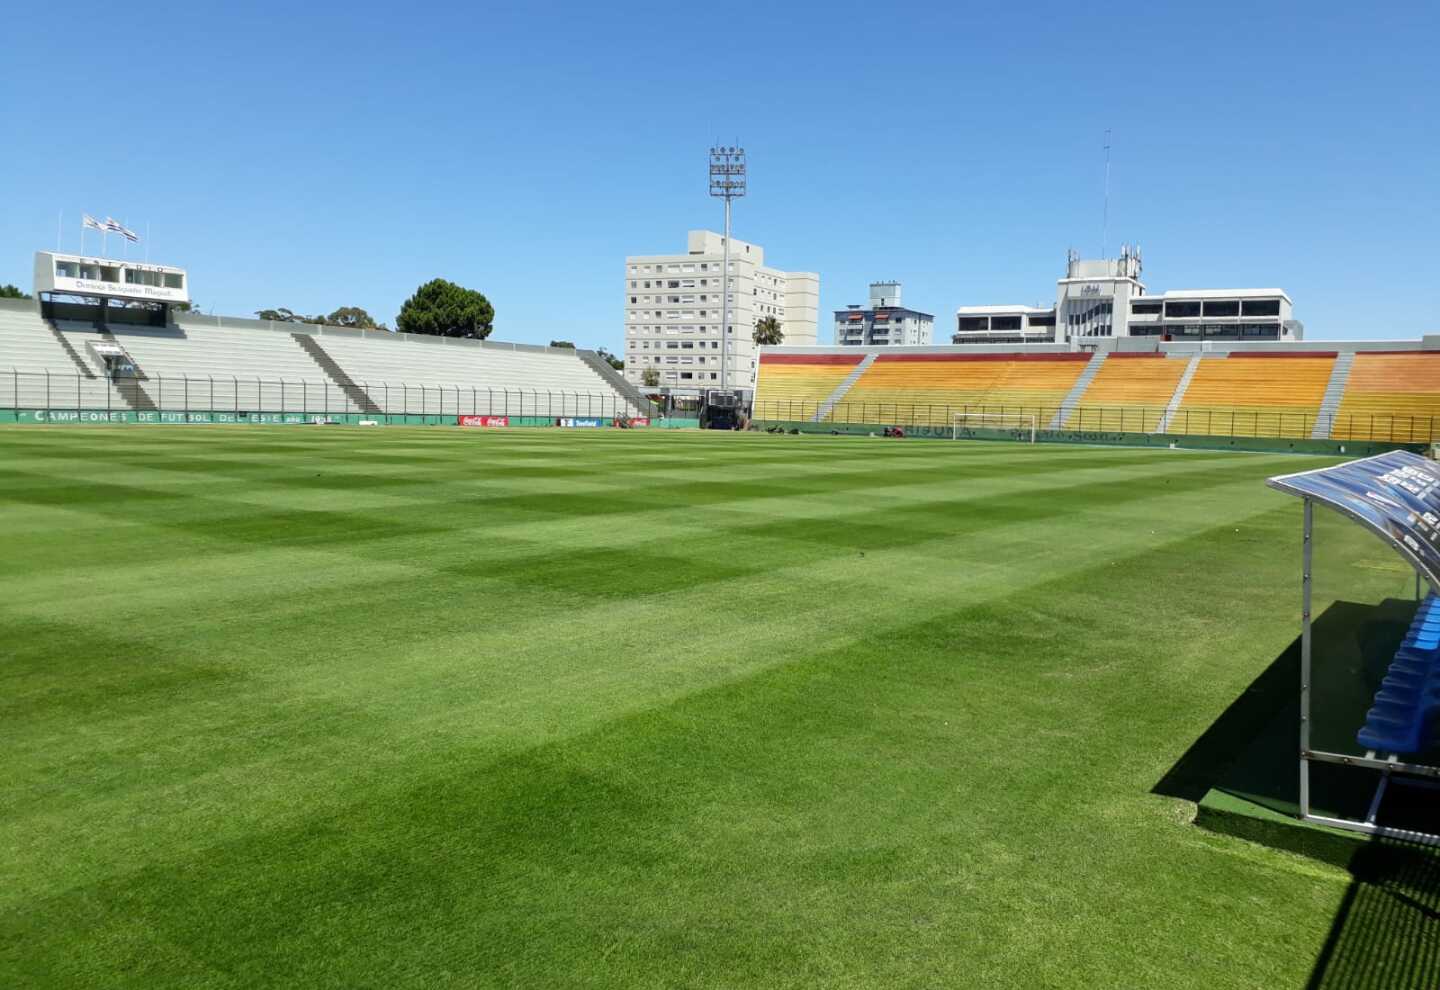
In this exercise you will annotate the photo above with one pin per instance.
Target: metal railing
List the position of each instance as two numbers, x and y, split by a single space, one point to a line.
1279 423
237 394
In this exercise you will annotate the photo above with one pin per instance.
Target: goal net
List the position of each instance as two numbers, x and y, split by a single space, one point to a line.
1024 424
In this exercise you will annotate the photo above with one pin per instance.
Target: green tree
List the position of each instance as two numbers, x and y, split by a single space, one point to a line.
353 316
281 315
650 378
562 343
8 291
768 332
610 359
444 309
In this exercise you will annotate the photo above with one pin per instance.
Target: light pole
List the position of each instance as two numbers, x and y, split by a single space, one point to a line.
727 181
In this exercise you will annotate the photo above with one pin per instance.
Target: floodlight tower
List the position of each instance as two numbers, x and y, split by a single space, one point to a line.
727 182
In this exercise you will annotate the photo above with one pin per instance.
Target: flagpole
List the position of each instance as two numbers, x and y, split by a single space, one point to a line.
59 225
147 242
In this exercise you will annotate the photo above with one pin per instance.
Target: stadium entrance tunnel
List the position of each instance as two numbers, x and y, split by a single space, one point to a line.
1241 772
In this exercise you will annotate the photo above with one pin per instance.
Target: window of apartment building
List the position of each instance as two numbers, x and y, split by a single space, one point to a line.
1004 323
1222 307
633 300
672 268
688 345
672 283
1149 308
672 360
687 360
1182 309
689 267
686 376
687 283
672 345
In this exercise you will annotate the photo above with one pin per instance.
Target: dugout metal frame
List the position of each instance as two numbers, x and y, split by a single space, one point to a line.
1390 766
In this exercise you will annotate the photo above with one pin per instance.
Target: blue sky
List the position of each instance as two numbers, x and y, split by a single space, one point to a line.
318 155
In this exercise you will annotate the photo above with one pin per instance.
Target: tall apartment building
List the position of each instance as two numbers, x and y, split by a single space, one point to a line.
884 322
1107 299
673 306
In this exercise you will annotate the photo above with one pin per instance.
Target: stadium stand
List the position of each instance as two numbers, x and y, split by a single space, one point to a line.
207 363
190 366
1391 395
1264 394
41 368
1128 394
460 377
926 389
796 385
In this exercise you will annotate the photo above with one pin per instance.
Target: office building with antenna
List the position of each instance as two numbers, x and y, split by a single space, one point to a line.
1099 299
884 322
675 305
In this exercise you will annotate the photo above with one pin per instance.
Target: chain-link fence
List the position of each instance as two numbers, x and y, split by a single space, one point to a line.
1235 422
232 394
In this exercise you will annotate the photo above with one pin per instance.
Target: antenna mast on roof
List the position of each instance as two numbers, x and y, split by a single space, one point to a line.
1105 225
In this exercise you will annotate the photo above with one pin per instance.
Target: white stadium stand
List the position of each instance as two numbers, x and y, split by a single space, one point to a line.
208 363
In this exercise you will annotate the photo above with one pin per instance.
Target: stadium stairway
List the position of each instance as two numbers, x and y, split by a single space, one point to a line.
617 381
75 358
327 364
1072 398
1179 395
130 389
842 388
1334 392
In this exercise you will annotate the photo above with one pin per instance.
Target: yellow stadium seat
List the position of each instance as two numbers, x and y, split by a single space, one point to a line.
793 386
928 389
1129 394
1255 395
1391 395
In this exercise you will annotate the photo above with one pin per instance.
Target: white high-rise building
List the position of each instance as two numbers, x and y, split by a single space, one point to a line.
673 306
886 321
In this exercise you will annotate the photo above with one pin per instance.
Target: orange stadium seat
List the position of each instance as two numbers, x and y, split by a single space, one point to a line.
1255 395
792 386
1393 395
927 389
1129 394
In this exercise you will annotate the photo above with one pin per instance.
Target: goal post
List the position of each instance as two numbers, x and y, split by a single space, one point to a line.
1023 423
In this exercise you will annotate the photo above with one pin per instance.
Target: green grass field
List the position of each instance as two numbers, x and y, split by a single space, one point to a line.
425 708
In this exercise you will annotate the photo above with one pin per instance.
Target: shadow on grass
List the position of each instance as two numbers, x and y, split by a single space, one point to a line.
1252 749
1386 935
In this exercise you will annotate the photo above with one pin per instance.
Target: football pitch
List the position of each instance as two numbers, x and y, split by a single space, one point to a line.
422 708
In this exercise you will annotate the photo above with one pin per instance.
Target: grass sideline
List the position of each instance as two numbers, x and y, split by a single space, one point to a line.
338 708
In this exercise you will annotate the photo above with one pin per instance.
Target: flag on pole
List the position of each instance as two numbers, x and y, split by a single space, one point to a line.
129 234
92 223
112 224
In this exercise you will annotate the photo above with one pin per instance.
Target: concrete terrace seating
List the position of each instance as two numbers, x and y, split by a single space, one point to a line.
1249 394
200 366
37 373
429 375
1128 394
793 386
926 389
1390 396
